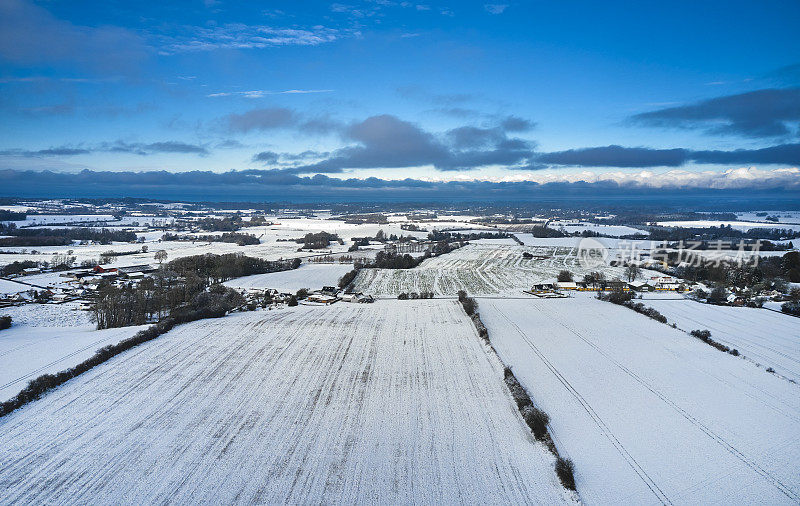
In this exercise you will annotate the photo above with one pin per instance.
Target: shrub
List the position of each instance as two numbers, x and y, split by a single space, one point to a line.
468 303
705 336
537 420
402 296
348 278
626 299
565 470
302 293
770 370
564 276
791 308
292 301
717 296
5 322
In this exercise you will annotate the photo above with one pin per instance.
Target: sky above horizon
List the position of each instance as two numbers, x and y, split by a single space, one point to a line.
501 91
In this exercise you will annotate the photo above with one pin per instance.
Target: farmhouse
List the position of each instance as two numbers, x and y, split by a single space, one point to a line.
566 285
322 299
543 287
134 271
641 286
329 290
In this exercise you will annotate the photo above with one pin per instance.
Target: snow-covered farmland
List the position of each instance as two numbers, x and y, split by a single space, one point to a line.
790 217
28 351
736 225
768 338
393 402
310 275
479 269
48 315
648 413
61 219
581 226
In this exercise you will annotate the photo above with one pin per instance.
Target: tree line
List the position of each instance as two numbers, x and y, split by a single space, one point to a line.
61 236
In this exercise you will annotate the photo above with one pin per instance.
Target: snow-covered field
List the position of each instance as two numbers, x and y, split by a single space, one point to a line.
48 315
792 217
27 352
10 287
479 269
612 230
393 402
49 219
768 338
46 338
736 225
309 275
649 414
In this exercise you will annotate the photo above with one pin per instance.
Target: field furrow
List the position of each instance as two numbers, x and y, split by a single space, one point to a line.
394 402
649 414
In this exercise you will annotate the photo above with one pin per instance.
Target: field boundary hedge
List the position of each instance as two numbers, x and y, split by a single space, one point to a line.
38 387
536 419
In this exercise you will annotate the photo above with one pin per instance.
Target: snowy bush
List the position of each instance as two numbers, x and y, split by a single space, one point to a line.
565 470
537 420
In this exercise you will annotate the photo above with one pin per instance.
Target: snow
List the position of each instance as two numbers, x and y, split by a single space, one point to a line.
649 414
310 275
479 269
10 287
580 226
791 217
736 225
769 338
27 352
393 402
48 315
51 219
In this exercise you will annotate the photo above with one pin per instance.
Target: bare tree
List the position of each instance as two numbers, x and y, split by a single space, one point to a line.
632 271
160 256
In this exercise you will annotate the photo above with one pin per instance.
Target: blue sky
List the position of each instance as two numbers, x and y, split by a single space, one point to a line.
424 90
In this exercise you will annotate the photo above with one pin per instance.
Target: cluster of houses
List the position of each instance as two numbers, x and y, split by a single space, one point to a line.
79 284
654 284
331 294
326 295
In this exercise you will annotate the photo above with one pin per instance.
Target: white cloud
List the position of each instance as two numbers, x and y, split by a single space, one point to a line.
261 93
495 8
743 177
241 36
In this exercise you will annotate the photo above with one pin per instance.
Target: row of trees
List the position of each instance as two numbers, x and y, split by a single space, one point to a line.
61 236
229 237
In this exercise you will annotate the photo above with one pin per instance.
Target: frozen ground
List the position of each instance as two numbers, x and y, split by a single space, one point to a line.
309 275
479 269
27 352
768 338
388 403
649 414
